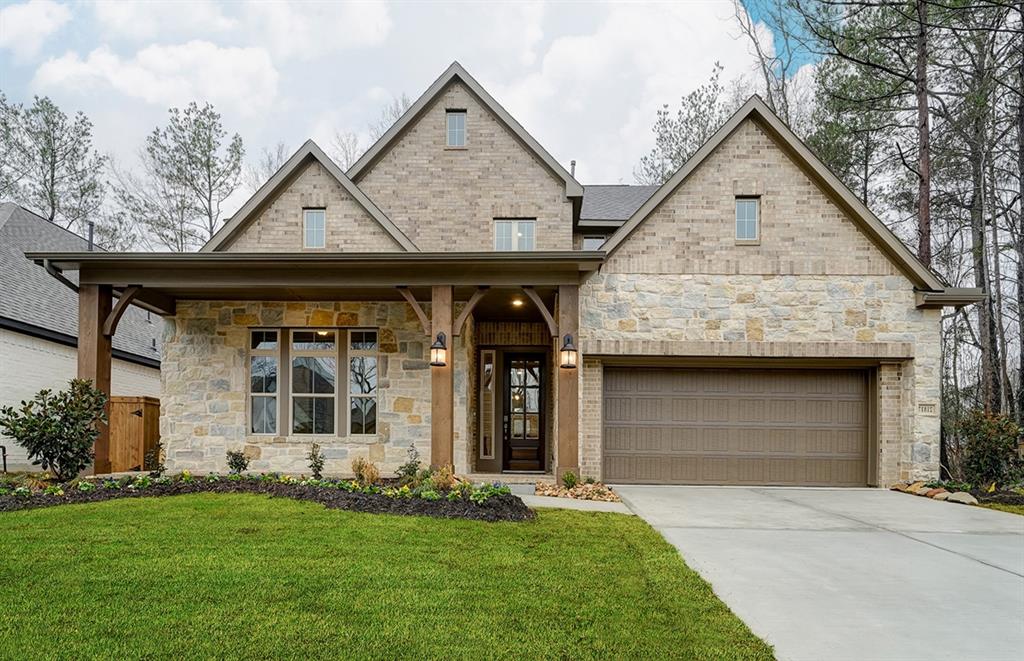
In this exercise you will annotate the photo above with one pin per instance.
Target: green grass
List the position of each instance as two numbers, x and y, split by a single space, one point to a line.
212 575
1012 509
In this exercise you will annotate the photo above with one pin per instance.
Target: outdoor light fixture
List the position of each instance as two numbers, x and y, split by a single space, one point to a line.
439 352
517 302
568 354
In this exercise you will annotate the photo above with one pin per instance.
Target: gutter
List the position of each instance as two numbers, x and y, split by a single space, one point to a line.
954 297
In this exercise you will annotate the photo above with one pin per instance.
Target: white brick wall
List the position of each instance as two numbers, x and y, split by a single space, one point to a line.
29 364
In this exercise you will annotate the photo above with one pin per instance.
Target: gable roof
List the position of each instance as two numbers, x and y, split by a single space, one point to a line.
755 108
612 204
33 302
309 151
452 73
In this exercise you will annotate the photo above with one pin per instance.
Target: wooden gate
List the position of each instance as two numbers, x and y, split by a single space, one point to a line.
134 431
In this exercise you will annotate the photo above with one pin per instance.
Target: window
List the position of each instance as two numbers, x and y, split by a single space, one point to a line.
593 242
487 378
747 219
314 361
514 234
362 360
314 228
263 345
456 128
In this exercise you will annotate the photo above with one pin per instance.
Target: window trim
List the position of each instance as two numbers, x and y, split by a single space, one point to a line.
515 222
305 231
448 130
313 353
351 353
756 199
272 353
603 238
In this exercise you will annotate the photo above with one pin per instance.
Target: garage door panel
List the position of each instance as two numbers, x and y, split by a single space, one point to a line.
735 426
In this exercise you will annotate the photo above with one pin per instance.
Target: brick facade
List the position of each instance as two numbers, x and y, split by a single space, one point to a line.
815 287
348 227
447 199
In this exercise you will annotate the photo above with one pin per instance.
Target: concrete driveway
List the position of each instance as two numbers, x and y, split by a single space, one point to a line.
852 573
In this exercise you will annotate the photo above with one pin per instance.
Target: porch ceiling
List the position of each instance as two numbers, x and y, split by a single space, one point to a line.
167 277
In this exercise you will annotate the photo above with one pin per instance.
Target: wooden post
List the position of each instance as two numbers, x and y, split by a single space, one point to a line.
568 384
442 390
94 303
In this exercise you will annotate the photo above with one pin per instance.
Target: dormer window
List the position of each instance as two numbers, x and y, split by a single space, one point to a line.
456 128
314 230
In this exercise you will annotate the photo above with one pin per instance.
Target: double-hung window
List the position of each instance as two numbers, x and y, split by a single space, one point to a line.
456 128
263 364
314 362
513 235
747 219
362 389
314 228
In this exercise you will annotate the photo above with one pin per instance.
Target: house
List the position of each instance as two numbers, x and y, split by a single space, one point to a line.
39 324
457 290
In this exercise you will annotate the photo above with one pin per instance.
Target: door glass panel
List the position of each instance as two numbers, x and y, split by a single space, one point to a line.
532 425
532 400
533 374
517 426
516 373
518 399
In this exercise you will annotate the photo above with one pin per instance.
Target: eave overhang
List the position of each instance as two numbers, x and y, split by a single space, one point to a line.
168 277
952 297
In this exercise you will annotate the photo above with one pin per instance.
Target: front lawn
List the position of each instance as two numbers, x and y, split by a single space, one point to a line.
1002 507
239 575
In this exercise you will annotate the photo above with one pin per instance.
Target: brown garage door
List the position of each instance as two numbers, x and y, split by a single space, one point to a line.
735 426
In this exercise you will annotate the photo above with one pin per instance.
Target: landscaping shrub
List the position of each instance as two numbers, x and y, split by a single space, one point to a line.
237 461
367 474
443 478
153 461
409 472
990 448
569 479
58 429
316 460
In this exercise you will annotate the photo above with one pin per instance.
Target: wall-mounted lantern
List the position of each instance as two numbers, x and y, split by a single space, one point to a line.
568 356
439 352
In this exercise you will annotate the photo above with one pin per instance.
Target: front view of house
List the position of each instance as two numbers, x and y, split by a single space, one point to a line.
458 291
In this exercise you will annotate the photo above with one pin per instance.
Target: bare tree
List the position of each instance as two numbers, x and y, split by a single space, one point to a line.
345 149
266 166
389 114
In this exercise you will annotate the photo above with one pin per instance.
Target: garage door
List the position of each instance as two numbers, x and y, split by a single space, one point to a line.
735 426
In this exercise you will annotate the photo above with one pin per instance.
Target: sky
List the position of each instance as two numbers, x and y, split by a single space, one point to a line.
584 78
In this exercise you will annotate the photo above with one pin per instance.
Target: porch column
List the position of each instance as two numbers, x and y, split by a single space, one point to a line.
568 384
94 303
442 391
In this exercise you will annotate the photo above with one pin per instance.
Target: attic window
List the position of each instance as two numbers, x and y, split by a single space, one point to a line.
314 232
456 120
747 220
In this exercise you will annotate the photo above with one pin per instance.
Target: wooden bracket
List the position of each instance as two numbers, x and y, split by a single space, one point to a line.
473 300
536 299
417 308
123 301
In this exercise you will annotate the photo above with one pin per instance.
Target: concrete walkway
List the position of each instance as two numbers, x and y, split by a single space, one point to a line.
852 573
525 491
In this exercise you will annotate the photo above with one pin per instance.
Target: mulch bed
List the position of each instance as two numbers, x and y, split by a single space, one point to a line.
502 507
1000 497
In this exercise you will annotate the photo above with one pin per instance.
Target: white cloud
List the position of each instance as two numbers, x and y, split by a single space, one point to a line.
239 80
149 20
306 30
595 95
25 27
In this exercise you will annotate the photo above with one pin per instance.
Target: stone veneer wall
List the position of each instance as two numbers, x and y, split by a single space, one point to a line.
204 371
348 227
815 286
447 199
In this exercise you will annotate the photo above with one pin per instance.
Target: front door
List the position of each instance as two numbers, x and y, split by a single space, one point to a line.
523 418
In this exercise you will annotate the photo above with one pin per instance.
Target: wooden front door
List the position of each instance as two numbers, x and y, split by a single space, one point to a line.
523 416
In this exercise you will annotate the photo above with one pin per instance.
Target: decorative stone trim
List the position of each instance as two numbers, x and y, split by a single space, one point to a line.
920 489
685 348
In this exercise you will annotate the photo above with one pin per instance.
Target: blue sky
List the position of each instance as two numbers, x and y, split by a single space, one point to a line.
585 79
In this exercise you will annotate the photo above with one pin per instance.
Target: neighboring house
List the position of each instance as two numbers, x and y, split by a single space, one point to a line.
457 290
39 324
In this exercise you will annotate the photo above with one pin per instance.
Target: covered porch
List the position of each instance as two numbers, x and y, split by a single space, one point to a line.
460 354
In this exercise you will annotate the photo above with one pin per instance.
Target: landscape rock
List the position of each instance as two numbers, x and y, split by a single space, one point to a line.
942 496
963 497
931 493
